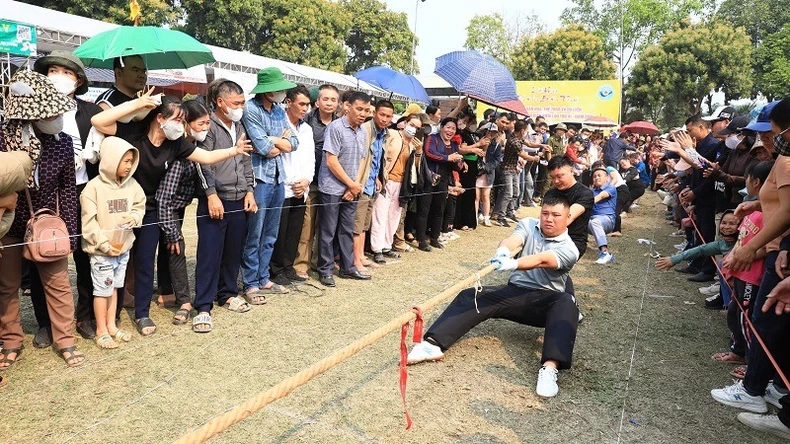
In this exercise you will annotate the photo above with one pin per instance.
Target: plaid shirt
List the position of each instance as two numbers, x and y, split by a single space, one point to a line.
261 124
175 192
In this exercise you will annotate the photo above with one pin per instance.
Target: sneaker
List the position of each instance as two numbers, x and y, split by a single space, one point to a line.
681 246
513 218
634 206
547 382
480 218
711 290
736 396
502 222
487 222
765 423
661 193
773 394
581 317
715 302
424 352
667 200
605 258
452 236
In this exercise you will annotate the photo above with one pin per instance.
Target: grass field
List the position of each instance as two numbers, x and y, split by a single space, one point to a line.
157 388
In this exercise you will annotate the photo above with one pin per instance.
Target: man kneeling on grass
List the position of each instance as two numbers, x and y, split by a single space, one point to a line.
535 294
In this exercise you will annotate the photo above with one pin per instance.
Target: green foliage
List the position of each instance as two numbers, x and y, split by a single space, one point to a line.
377 37
672 79
772 65
627 27
569 53
487 34
760 18
153 12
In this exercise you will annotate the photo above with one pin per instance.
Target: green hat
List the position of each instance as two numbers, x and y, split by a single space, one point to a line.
271 80
314 94
67 60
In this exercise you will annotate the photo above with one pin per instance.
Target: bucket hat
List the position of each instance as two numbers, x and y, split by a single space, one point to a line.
31 96
271 80
67 60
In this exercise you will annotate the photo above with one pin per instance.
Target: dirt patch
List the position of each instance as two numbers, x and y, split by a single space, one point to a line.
155 389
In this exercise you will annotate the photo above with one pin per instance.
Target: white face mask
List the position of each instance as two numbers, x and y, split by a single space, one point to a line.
278 97
173 130
410 131
198 135
732 141
63 83
234 114
52 127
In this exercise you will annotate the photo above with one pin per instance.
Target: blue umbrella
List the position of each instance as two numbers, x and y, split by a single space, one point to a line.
480 75
394 82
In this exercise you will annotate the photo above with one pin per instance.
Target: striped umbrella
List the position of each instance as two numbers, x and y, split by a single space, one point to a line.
476 74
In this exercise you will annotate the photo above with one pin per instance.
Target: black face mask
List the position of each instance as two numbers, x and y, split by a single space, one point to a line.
750 141
427 130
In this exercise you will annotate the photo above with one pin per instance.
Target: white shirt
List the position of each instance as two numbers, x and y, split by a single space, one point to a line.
70 128
299 164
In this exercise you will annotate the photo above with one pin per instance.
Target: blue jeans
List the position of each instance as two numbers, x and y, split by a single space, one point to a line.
262 229
599 225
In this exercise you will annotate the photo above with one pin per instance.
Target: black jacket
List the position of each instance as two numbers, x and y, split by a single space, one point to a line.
86 110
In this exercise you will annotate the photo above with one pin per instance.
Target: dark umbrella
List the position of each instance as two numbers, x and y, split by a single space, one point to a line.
394 82
476 74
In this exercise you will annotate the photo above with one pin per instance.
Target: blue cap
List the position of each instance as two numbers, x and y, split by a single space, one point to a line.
763 123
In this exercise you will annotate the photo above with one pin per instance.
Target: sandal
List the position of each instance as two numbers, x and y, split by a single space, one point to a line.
145 323
71 356
181 317
255 298
729 358
6 360
202 323
122 336
274 289
738 372
391 254
237 305
105 342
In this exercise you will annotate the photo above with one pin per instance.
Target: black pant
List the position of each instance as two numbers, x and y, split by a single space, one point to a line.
705 217
287 245
540 181
634 193
744 293
622 199
337 219
556 311
449 213
465 208
430 211
775 332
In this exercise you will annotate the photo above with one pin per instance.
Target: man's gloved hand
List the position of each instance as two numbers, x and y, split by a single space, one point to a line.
505 264
502 252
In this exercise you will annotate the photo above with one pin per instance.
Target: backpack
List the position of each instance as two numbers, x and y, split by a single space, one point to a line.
46 236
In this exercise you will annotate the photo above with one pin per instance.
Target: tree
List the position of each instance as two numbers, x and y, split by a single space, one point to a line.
760 18
377 37
493 35
673 79
627 27
153 12
772 65
570 53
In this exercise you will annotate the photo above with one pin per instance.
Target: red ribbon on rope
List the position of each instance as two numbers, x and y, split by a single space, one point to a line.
404 353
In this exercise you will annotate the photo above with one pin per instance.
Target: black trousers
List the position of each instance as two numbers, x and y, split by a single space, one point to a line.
744 293
775 331
287 245
337 219
622 199
634 194
555 311
430 211
449 213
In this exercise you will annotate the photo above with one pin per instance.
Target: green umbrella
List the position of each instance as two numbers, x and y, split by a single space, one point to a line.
160 48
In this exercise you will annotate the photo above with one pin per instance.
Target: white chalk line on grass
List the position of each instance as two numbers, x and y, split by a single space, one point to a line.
636 337
127 405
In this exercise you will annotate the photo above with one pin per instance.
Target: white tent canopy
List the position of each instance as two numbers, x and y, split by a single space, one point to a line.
58 30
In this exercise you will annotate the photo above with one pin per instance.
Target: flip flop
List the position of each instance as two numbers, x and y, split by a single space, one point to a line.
738 372
181 317
729 358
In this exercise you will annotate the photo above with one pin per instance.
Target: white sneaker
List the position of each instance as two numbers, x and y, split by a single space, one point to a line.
736 396
452 236
605 258
487 222
667 200
634 206
581 317
424 352
547 383
765 423
711 290
480 218
773 395
681 245
661 193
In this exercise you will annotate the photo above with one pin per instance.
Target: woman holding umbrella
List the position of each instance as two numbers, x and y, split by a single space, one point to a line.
160 141
442 158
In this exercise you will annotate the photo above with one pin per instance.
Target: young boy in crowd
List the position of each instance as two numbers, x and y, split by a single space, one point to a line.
112 203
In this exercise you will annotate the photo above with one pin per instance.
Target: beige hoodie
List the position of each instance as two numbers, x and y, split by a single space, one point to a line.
105 202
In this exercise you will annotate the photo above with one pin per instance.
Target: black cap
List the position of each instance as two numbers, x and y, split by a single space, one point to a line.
735 126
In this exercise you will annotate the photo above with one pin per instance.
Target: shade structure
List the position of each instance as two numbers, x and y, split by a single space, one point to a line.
476 74
641 127
395 82
160 48
515 106
600 122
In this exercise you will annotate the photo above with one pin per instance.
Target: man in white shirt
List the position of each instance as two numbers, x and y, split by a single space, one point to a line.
299 170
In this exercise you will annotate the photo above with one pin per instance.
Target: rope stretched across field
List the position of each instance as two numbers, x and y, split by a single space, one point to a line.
286 386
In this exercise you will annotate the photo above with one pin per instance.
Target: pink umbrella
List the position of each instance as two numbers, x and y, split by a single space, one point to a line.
599 122
515 106
641 127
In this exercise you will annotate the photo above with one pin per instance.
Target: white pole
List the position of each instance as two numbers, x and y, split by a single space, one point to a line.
414 35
